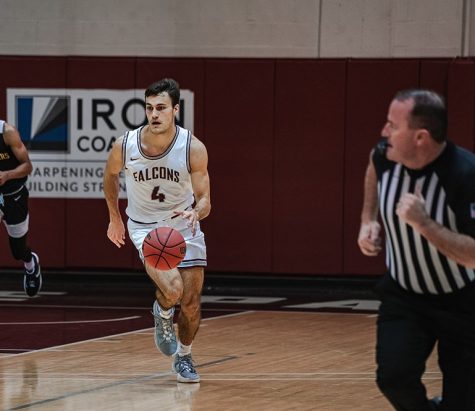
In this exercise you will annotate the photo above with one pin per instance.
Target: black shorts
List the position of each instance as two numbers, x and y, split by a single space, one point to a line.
14 209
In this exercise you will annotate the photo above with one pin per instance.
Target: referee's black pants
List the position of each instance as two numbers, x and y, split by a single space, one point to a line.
408 328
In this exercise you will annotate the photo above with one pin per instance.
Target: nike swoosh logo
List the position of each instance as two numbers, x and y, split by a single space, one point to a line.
134 159
17 198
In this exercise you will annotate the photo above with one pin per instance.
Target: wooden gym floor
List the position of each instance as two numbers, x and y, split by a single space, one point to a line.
88 345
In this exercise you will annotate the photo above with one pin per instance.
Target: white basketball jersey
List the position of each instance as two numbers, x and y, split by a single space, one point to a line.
157 185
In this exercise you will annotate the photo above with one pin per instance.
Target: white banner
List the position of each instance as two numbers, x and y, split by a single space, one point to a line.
69 134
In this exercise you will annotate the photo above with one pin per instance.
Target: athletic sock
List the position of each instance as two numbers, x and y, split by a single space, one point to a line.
30 266
166 313
183 349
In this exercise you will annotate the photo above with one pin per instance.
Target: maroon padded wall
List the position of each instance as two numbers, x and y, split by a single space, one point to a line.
461 102
371 84
239 116
308 166
433 75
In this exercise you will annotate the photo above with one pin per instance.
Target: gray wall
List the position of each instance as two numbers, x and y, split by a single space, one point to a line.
239 28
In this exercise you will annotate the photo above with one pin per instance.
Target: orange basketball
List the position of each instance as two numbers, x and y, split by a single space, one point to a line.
164 248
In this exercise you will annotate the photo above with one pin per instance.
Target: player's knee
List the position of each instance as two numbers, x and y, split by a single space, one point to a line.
174 293
191 307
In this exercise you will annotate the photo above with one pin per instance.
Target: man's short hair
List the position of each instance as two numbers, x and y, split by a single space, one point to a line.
429 112
165 85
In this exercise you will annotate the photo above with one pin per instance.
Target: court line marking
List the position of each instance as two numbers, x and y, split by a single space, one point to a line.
204 378
114 384
150 329
93 307
87 391
73 321
228 315
56 347
53 376
362 313
108 307
283 308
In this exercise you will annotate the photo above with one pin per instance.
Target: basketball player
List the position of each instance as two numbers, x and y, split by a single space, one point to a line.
167 184
425 186
15 166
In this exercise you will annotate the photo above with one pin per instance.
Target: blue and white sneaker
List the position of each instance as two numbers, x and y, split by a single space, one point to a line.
165 338
32 281
185 372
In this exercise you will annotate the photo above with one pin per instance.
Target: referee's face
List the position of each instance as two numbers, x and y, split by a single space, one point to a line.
401 138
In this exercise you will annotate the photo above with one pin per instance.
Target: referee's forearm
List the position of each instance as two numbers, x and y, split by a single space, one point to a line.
456 246
370 207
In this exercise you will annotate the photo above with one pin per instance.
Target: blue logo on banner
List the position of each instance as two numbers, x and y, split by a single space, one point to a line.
43 122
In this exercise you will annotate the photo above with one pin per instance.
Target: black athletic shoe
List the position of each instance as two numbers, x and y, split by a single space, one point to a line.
32 281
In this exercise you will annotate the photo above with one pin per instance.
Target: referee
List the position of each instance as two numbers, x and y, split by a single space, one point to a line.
423 187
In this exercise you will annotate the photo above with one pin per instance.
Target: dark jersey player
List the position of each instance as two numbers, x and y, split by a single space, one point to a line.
15 166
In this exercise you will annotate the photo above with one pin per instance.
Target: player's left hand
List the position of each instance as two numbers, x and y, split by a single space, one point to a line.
191 216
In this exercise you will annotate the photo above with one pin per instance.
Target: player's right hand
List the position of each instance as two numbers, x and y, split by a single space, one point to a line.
116 233
369 238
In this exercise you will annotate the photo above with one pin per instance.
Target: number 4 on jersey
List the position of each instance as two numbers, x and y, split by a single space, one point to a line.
158 196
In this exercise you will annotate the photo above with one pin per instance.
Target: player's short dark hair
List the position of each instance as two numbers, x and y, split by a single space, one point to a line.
429 112
167 84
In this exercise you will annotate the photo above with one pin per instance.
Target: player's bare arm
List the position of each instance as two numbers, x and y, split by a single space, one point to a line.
13 140
116 229
456 246
369 237
200 183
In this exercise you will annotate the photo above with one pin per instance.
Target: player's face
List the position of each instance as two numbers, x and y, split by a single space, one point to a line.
401 138
160 113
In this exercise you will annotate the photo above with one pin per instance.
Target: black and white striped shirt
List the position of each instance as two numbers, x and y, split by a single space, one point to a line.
448 187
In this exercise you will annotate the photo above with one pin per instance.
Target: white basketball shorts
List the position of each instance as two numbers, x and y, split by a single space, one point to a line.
195 245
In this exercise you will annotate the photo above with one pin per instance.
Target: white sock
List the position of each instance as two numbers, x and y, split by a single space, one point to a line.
183 349
166 313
